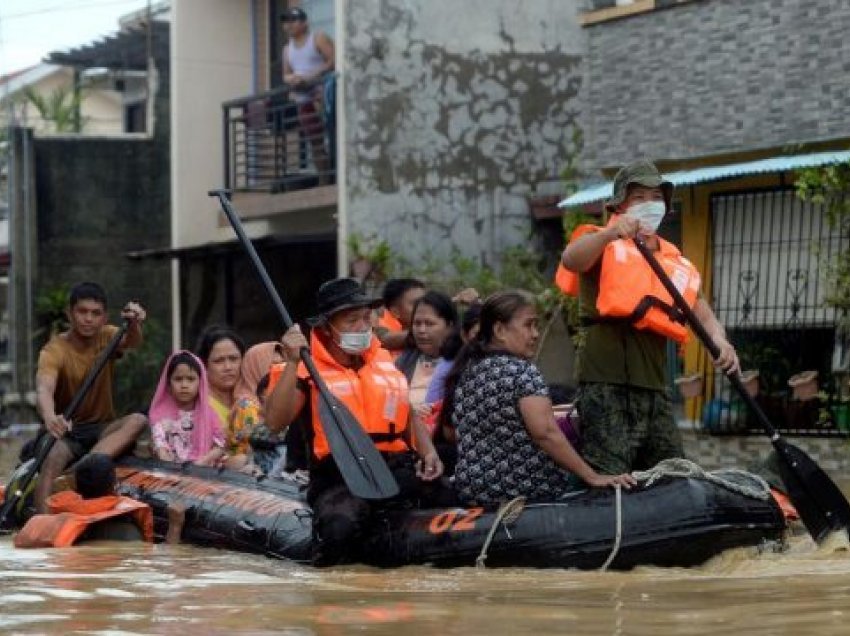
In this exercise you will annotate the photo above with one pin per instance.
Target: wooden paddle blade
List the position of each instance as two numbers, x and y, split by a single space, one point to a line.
820 503
361 465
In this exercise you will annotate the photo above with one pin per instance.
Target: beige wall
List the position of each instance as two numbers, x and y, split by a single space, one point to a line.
211 57
101 109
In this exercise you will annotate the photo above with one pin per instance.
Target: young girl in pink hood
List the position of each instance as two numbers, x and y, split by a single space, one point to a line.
184 426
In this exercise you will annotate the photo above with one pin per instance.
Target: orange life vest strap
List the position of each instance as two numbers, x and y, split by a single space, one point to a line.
649 302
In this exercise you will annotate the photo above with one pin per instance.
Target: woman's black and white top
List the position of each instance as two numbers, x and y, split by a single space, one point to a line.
497 459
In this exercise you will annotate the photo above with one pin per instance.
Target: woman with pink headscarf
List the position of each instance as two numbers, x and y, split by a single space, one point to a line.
184 426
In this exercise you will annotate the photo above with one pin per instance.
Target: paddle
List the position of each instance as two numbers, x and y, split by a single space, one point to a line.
361 465
25 474
820 503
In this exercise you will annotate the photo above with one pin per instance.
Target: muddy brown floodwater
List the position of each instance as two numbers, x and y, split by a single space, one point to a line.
121 588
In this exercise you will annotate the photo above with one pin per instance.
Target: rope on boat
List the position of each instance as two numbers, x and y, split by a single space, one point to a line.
736 480
618 535
733 479
508 513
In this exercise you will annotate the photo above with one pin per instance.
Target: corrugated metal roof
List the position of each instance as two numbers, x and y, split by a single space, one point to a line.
718 173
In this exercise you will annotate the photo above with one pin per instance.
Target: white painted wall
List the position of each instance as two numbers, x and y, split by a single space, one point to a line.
210 64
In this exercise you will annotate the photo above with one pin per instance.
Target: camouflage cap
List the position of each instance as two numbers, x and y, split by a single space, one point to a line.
641 172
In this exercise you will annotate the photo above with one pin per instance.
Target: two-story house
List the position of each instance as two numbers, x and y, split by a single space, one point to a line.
732 99
446 118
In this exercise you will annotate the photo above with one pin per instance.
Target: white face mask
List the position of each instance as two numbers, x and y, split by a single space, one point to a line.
649 213
354 342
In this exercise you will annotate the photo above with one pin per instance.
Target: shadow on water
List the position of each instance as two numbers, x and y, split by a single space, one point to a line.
124 588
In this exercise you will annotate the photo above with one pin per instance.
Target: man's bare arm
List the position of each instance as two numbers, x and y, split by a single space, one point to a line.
45 404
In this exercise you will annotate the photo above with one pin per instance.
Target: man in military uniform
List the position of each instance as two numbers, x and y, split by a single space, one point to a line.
623 400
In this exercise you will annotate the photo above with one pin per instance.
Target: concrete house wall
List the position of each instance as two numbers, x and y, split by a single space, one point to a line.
453 115
716 76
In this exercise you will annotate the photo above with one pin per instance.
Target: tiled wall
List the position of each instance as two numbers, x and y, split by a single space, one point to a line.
712 452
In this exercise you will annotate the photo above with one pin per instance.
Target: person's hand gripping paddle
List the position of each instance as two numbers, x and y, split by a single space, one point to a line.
24 475
821 505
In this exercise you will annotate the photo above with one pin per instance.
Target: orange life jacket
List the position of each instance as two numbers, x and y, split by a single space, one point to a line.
389 322
70 515
630 290
376 394
788 510
567 280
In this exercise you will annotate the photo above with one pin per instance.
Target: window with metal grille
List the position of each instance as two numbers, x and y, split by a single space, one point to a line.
768 290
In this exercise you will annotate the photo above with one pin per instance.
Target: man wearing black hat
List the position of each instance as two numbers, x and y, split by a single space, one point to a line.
361 374
307 57
623 401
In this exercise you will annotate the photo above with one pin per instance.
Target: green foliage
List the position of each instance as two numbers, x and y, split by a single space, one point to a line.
376 252
137 373
827 186
51 307
61 108
573 218
830 186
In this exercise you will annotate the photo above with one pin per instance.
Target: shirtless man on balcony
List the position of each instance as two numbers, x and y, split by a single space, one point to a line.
307 57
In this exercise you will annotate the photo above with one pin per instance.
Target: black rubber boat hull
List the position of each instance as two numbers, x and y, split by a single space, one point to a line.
677 522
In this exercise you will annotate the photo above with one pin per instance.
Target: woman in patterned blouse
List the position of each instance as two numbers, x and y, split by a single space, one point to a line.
498 406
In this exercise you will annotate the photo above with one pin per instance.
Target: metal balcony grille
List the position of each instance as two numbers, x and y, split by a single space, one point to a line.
273 144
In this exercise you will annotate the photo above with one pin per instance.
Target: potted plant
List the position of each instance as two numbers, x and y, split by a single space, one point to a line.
750 380
804 385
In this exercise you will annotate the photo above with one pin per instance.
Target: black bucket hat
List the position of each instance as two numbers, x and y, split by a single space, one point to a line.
641 172
338 294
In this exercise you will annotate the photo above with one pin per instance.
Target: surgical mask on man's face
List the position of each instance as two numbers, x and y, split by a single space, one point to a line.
354 342
649 214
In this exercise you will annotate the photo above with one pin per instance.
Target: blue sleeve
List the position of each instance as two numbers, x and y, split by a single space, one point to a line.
437 387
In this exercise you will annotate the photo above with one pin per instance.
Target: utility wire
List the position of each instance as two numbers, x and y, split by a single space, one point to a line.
66 7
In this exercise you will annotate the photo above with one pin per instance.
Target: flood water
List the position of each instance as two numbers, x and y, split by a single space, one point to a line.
122 588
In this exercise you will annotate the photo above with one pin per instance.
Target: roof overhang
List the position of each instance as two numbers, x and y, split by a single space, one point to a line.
224 248
707 174
126 49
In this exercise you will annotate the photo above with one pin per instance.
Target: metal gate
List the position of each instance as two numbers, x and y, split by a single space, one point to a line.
768 288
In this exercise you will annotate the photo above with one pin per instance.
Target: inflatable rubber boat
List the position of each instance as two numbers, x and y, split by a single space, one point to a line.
675 522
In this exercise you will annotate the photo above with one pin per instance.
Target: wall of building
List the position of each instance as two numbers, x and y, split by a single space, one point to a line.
211 58
454 114
100 107
717 76
832 454
97 199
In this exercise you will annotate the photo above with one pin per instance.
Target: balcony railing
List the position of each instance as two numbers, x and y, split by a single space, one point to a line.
273 144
